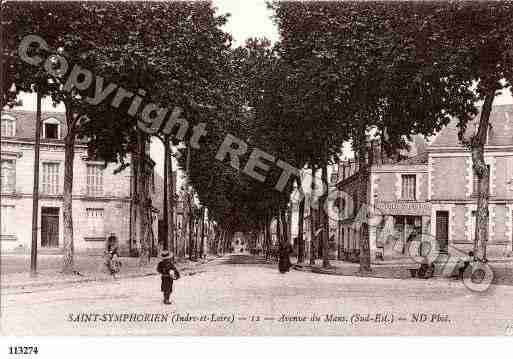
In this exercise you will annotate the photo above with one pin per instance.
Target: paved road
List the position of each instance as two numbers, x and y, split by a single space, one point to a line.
242 288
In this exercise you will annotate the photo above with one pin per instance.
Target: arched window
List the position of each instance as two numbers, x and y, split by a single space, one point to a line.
51 129
8 126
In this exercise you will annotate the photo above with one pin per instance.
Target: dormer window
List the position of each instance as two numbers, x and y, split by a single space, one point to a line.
51 129
8 126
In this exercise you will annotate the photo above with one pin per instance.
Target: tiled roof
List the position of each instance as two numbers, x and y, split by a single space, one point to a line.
26 122
501 131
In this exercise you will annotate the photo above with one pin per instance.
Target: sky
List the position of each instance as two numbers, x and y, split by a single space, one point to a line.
249 18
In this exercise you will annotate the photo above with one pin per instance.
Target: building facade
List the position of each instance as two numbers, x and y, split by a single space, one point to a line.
433 193
101 197
453 186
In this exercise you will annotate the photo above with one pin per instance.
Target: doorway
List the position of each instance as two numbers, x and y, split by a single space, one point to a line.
442 230
50 227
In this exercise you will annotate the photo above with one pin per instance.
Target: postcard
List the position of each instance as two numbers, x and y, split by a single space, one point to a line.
253 168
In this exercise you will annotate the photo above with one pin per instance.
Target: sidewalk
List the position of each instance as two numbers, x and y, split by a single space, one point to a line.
399 269
90 269
389 270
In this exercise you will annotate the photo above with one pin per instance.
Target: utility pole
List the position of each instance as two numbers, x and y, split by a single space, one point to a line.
169 198
35 190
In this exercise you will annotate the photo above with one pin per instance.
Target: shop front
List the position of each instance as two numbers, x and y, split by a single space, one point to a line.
399 228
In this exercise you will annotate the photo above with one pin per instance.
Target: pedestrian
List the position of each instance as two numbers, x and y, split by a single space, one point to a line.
284 257
111 255
466 263
164 267
112 245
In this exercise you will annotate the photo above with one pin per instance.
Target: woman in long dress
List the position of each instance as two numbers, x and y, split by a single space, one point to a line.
284 257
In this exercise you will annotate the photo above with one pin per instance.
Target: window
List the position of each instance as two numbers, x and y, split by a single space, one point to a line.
95 223
94 180
7 176
50 180
7 221
51 129
8 126
475 186
408 187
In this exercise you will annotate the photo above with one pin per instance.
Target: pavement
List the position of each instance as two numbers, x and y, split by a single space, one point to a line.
244 295
88 268
400 269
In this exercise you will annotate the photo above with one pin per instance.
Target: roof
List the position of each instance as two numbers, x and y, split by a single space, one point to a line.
500 134
420 159
26 122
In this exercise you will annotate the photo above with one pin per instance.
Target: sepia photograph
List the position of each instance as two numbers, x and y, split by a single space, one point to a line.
255 168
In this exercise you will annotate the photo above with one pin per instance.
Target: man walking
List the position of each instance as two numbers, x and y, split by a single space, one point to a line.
164 267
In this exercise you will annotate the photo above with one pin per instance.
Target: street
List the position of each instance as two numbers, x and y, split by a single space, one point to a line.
242 295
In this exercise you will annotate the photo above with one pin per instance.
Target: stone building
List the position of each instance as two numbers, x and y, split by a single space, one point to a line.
432 193
452 185
101 198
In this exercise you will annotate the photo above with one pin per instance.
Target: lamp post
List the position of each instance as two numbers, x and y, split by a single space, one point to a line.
35 190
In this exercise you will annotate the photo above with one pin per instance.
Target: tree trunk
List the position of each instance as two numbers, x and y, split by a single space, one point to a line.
312 219
339 241
339 225
133 205
365 260
191 232
67 200
319 226
202 233
218 240
266 245
284 226
279 233
144 206
301 217
483 178
221 242
325 223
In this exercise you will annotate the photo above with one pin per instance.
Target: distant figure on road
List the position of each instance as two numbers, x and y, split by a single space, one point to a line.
164 267
284 259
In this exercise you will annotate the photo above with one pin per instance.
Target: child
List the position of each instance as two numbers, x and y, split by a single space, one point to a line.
164 267
115 265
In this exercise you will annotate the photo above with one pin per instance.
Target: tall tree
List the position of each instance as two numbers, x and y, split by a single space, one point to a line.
472 44
370 66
